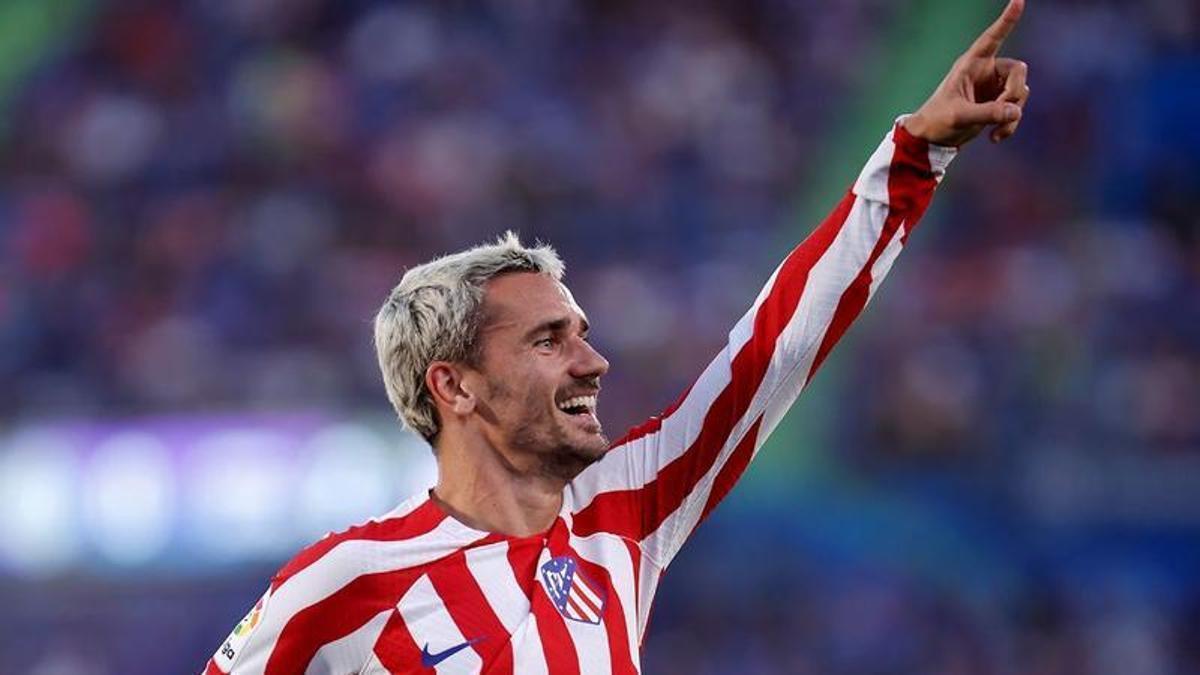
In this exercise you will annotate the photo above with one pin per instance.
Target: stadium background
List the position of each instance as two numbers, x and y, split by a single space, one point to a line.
203 203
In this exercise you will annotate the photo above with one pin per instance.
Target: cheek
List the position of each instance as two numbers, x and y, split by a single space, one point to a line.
526 388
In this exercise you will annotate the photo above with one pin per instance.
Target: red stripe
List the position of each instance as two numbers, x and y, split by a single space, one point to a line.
561 656
619 649
397 650
635 560
910 178
213 669
522 557
733 469
336 617
559 649
910 187
416 523
471 612
635 513
576 603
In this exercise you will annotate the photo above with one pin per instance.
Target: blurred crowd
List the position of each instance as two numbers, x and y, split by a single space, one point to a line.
203 203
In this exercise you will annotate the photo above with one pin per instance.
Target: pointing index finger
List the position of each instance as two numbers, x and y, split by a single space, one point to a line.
988 44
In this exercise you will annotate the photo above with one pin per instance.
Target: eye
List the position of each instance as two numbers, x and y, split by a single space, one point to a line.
544 342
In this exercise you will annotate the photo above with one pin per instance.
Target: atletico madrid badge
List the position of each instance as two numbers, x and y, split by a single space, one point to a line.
577 597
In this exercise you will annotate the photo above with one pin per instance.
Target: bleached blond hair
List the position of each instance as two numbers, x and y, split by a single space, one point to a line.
435 314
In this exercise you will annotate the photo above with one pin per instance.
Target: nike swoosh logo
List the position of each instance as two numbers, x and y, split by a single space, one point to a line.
430 660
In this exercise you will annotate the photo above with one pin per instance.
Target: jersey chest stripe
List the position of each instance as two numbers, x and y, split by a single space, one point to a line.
396 649
349 653
562 658
522 560
618 583
471 612
491 568
335 617
432 626
559 650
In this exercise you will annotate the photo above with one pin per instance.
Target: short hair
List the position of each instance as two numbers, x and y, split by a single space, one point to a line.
435 313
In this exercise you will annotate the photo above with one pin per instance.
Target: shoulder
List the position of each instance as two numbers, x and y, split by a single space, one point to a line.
374 545
342 582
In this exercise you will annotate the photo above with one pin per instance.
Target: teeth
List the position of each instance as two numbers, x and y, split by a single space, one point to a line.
588 402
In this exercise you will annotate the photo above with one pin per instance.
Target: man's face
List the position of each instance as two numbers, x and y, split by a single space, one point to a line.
539 376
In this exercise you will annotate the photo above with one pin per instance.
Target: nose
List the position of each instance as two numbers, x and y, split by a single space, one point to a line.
588 362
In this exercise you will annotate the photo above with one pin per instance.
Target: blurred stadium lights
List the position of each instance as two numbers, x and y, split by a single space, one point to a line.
128 499
171 494
38 524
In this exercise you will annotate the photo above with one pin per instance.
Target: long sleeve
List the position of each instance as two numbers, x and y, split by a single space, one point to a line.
659 481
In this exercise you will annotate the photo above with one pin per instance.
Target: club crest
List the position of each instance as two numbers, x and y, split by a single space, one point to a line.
577 597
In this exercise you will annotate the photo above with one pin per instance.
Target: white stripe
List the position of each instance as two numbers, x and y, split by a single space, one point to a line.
590 640
492 571
940 157
431 626
347 654
883 264
872 182
338 567
794 354
528 654
610 553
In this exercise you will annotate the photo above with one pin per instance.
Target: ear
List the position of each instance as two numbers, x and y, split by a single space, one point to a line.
446 384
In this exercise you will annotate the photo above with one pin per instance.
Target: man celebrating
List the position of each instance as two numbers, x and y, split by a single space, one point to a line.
541 546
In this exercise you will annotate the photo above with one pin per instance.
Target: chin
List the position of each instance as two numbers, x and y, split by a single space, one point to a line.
594 449
575 454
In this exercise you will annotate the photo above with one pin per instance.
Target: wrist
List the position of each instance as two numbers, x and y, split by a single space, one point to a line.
918 126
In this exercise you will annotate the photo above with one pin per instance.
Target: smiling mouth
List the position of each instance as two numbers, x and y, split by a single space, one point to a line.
579 405
582 411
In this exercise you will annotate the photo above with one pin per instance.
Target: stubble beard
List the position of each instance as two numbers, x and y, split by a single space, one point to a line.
540 433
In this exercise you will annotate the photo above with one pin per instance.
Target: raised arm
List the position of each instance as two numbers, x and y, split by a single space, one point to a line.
659 481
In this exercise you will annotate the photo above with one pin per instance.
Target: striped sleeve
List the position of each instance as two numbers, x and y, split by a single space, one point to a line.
659 481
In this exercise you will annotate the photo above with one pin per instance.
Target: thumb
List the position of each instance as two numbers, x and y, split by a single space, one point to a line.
993 112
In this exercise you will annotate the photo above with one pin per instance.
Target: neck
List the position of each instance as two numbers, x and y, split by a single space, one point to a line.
481 488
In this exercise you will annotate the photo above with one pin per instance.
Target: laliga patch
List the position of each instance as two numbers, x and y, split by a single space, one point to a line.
233 645
576 597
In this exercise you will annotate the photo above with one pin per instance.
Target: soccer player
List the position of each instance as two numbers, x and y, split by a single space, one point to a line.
542 545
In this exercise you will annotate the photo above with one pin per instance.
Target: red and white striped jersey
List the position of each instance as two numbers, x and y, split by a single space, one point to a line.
417 591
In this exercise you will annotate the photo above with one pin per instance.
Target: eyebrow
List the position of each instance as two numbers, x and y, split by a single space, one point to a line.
556 326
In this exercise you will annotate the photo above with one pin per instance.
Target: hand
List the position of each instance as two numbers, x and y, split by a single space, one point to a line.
980 90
